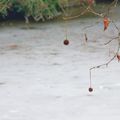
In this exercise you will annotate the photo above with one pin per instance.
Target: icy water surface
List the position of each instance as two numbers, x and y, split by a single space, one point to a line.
42 79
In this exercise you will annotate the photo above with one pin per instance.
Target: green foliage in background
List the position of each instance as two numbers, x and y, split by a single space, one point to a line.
4 6
37 9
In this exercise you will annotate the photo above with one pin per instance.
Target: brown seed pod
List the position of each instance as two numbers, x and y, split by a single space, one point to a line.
66 42
90 89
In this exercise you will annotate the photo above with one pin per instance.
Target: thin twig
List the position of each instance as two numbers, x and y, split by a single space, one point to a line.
106 64
95 13
73 17
89 9
115 26
111 41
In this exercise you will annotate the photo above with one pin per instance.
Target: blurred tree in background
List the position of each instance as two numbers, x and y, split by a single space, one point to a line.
37 9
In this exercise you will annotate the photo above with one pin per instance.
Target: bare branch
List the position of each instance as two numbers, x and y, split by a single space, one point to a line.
115 26
95 13
89 26
77 16
112 5
110 41
89 9
107 63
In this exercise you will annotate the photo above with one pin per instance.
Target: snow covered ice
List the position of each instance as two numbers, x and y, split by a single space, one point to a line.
42 79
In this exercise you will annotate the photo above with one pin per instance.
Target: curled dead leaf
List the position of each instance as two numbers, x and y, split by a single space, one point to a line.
106 23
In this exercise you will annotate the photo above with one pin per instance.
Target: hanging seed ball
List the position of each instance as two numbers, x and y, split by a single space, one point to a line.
90 89
66 42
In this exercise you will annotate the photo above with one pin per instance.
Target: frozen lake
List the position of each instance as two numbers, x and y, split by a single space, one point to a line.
42 79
